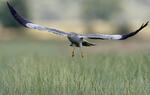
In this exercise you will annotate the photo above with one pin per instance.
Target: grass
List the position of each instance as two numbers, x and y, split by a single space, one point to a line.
42 68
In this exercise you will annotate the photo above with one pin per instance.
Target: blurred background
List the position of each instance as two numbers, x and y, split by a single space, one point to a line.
34 62
80 16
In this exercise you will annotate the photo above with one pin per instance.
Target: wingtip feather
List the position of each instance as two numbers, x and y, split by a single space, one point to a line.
9 6
147 23
133 33
17 16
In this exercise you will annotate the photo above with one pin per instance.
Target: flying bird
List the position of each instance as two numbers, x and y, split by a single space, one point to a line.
77 40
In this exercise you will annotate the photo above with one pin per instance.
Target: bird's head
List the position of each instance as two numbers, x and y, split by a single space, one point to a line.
71 34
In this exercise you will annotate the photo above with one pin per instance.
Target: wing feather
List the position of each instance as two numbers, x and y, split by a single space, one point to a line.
113 37
29 24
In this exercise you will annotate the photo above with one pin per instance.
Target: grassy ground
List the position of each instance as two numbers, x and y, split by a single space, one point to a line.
46 68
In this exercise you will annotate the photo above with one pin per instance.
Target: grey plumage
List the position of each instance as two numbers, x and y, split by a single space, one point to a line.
114 37
75 39
29 24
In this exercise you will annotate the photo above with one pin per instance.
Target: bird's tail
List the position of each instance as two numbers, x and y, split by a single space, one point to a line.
86 43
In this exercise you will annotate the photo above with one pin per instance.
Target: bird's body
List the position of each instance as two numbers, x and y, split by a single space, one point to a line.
74 39
77 40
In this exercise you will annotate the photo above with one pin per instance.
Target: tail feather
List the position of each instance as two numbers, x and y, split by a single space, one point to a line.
86 43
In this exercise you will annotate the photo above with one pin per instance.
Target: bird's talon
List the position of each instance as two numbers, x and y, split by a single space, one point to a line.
82 54
73 54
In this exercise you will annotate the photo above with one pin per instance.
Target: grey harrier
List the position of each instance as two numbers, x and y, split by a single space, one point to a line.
77 40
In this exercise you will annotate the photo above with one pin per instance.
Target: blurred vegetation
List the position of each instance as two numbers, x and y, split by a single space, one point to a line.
123 29
81 16
47 68
122 25
145 2
99 9
6 19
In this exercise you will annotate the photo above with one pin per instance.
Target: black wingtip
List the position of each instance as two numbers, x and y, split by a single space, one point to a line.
7 3
147 23
12 10
9 6
134 33
142 26
18 17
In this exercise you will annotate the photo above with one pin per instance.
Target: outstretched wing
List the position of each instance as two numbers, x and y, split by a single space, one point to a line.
29 24
113 37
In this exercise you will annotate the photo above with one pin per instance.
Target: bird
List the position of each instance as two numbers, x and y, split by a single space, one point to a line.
77 40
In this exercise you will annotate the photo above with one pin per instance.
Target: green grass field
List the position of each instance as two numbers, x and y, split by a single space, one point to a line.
46 68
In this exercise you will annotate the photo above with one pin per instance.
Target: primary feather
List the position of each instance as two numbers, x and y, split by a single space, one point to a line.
113 37
29 24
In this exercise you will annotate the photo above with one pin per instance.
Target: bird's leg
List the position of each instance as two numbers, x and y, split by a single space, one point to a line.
73 51
82 54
